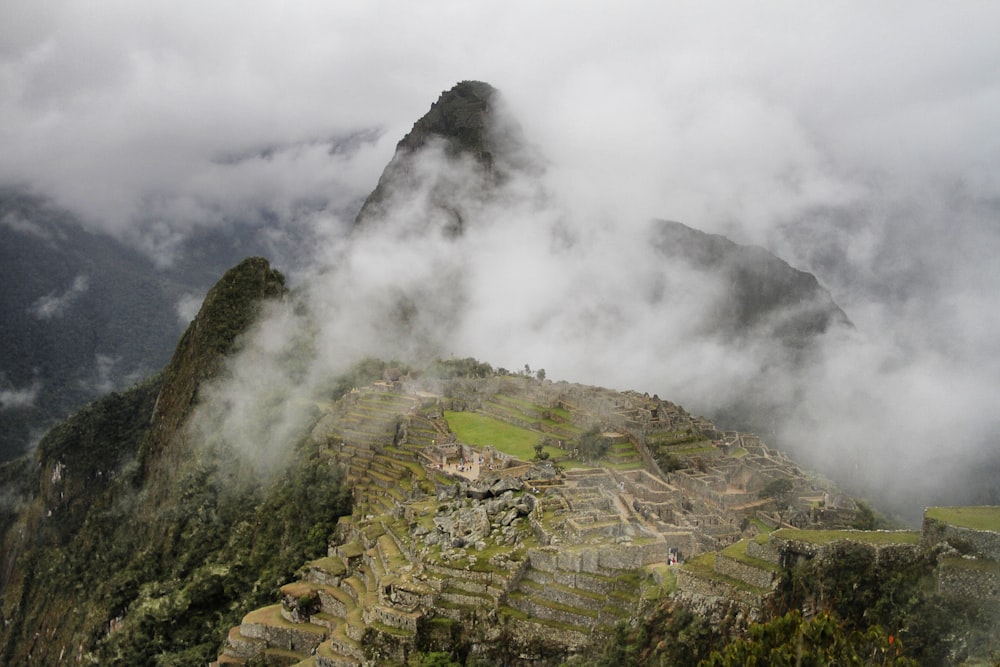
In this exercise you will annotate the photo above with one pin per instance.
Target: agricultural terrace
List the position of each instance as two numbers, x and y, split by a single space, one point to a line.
875 537
976 518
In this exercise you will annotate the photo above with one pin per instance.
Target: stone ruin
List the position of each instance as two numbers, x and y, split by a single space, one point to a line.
563 555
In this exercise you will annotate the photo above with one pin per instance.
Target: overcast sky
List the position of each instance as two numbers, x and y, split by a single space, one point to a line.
857 140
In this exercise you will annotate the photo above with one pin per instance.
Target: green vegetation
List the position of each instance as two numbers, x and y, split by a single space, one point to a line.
453 368
778 489
976 518
668 635
480 430
816 642
169 544
977 564
593 444
879 537
704 566
738 551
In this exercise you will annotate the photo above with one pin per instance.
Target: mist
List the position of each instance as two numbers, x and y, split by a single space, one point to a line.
855 142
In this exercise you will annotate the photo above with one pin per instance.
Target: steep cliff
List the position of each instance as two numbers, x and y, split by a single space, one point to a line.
229 309
123 542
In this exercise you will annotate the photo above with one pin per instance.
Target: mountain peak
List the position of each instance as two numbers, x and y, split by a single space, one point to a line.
468 121
229 309
460 117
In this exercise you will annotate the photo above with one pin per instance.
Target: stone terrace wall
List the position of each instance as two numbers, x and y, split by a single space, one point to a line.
968 580
693 584
598 560
754 576
982 542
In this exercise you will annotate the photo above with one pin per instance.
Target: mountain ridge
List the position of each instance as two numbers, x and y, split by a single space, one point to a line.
382 539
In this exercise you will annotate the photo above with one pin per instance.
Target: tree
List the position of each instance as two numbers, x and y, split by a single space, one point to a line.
540 452
778 489
593 444
821 640
540 374
437 659
865 518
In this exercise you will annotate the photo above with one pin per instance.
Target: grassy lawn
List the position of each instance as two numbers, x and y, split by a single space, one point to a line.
562 413
866 536
974 564
628 465
738 551
976 518
479 430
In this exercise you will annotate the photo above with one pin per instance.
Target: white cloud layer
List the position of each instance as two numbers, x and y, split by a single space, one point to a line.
857 141
12 398
55 303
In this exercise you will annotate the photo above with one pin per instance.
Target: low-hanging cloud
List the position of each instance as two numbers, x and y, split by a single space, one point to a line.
14 398
56 303
856 142
537 276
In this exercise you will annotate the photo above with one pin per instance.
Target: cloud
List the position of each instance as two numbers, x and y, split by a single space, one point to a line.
22 225
187 307
54 304
856 141
12 398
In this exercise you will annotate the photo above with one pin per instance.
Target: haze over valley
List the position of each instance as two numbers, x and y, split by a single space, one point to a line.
836 139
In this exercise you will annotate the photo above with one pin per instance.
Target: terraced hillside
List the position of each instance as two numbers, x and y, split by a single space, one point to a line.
466 539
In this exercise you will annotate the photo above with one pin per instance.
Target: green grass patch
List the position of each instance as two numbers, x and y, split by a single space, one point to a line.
562 427
976 518
556 606
738 551
271 616
667 577
561 413
704 565
352 549
694 451
974 564
389 630
480 430
483 557
330 564
519 402
876 537
512 411
628 465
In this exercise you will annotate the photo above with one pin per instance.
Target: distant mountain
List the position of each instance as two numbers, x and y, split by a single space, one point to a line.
454 163
467 122
766 295
129 538
82 314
